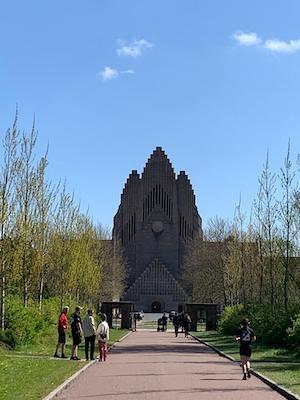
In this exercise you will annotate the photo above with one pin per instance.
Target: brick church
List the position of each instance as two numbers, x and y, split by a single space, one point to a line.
156 217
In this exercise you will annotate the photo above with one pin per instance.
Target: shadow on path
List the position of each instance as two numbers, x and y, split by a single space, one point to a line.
175 391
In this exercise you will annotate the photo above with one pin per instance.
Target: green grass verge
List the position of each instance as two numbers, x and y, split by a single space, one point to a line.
280 365
31 378
29 372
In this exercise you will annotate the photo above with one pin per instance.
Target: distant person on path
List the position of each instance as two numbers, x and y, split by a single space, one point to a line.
176 323
89 331
76 328
62 327
103 336
135 319
245 335
164 319
186 324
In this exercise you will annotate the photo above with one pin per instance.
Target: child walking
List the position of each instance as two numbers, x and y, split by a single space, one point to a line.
103 336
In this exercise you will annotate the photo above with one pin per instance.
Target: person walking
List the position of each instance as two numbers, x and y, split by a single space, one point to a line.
76 328
176 323
164 319
103 336
89 331
186 324
62 327
245 335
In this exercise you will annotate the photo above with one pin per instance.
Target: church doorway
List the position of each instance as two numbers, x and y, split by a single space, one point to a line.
156 307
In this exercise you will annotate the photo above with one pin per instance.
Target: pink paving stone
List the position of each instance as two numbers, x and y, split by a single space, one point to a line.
150 365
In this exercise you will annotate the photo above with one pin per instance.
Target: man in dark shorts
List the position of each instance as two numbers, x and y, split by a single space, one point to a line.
245 335
76 328
62 327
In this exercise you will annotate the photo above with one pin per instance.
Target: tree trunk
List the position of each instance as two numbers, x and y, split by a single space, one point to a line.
41 290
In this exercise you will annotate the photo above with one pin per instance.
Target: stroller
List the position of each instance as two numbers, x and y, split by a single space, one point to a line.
160 325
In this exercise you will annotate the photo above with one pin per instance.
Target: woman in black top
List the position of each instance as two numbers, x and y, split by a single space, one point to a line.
245 335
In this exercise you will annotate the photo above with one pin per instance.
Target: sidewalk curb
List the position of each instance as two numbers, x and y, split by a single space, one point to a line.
73 377
278 388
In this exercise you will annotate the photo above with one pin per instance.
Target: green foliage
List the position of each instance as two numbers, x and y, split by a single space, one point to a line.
270 324
22 323
231 319
27 325
293 333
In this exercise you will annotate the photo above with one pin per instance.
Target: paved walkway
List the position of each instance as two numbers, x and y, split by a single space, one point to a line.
150 365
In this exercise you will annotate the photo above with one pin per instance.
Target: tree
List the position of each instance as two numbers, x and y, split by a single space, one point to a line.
25 181
287 216
44 196
8 171
258 209
269 215
113 267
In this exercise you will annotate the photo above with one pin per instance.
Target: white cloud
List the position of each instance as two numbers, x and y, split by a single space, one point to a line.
280 46
133 49
128 71
247 39
273 45
109 73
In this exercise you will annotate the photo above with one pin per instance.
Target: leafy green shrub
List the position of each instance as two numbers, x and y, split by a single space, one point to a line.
22 323
26 325
231 319
8 338
293 333
270 324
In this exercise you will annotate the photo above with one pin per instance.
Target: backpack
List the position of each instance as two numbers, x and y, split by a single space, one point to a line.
246 336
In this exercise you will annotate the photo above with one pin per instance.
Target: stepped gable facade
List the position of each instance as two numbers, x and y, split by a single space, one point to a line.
156 217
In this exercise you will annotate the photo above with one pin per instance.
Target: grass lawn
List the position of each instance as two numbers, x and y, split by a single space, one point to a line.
29 372
32 378
280 365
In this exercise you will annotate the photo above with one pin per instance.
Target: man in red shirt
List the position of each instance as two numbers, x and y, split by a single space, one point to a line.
62 327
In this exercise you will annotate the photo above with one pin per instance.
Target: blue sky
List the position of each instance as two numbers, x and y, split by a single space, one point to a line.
215 83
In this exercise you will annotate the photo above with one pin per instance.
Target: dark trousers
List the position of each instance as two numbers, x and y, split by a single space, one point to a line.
89 340
176 329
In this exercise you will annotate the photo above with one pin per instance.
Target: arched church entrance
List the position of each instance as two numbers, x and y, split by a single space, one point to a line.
156 307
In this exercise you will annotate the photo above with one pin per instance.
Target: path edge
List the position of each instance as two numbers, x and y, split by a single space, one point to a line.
278 388
73 377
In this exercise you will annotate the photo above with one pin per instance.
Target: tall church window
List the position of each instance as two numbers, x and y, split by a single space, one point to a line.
179 224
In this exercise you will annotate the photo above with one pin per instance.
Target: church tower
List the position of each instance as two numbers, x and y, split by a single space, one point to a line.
156 217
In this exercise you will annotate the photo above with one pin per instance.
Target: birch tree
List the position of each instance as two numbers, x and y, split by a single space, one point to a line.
8 171
269 214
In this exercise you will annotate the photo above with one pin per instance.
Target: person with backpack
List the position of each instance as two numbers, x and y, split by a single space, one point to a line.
103 336
245 335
